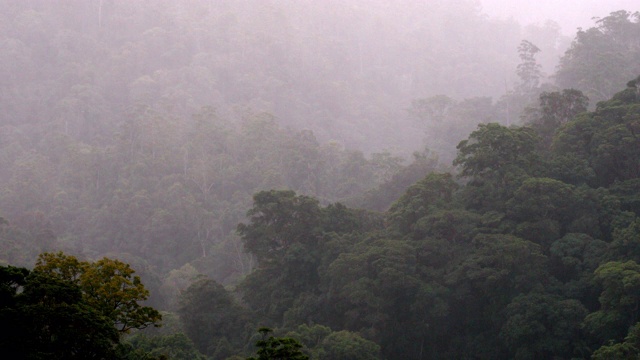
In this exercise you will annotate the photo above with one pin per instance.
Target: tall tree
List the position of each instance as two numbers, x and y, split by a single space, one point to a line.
603 58
48 317
273 348
554 110
213 320
529 71
109 286
496 159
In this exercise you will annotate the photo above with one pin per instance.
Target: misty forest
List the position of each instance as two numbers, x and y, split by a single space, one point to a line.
298 179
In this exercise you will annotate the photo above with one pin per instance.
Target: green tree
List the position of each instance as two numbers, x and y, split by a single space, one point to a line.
280 220
284 234
174 346
50 318
605 138
494 148
543 326
109 286
529 71
629 349
376 290
276 348
213 320
542 204
573 259
382 197
626 241
430 194
554 110
619 301
496 159
346 345
602 58
497 269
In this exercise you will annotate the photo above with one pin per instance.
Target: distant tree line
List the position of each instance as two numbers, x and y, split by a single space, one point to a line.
525 247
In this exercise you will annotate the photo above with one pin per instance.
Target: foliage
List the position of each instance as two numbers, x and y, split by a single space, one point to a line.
543 326
50 318
605 139
554 110
495 148
628 349
601 59
140 132
342 345
107 285
212 319
175 346
433 192
144 129
529 71
620 282
496 159
71 309
273 348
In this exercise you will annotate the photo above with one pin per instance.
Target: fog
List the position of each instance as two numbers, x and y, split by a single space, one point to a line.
104 100
348 71
569 14
423 179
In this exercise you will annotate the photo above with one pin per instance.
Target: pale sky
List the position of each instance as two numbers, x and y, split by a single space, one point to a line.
569 14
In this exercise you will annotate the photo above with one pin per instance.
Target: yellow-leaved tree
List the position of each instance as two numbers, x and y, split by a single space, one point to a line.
108 285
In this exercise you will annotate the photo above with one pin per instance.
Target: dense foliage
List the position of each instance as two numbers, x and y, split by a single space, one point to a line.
152 128
516 260
70 309
603 58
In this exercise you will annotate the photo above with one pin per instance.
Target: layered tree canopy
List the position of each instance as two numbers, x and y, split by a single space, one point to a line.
70 309
363 180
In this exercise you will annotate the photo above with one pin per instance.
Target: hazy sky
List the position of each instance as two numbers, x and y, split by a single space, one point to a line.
569 14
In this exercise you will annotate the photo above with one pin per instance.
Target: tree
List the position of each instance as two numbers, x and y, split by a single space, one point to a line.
626 241
212 319
629 349
496 159
381 197
432 110
494 148
605 138
573 260
619 301
107 285
554 110
375 289
529 71
543 326
272 348
346 345
543 204
285 236
174 346
280 220
322 343
497 269
433 192
602 58
48 317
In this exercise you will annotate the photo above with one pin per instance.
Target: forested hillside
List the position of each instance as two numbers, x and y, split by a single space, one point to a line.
147 131
144 129
533 256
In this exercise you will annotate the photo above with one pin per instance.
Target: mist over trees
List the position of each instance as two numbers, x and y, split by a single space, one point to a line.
367 179
334 68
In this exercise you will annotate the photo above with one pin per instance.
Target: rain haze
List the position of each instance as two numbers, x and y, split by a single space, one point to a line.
323 179
569 14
